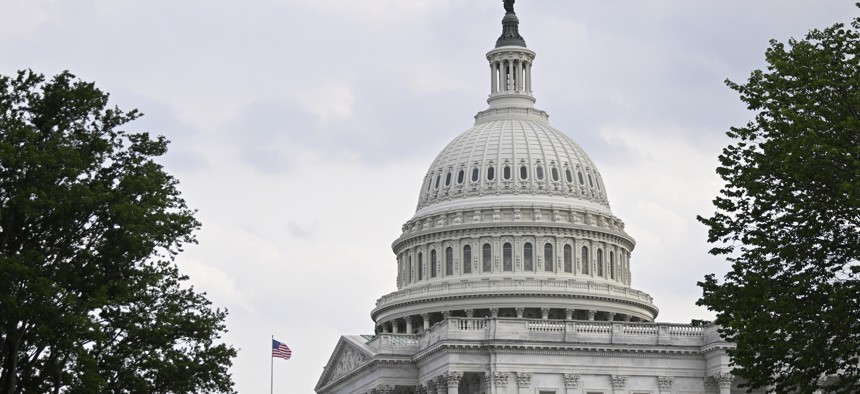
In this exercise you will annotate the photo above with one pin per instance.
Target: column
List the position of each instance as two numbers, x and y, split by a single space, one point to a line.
395 328
453 379
426 318
524 381
520 85
408 324
724 380
492 77
503 71
529 77
619 383
571 383
441 384
665 384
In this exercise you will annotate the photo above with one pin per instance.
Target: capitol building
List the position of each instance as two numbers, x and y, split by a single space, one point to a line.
513 276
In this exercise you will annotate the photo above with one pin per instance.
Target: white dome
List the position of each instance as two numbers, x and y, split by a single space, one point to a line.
513 159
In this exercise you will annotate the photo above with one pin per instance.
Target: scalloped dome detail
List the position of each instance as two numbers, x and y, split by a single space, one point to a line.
512 157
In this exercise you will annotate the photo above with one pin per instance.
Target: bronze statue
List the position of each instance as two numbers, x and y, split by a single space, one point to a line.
509 6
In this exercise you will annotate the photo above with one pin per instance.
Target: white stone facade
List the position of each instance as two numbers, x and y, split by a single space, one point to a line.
514 275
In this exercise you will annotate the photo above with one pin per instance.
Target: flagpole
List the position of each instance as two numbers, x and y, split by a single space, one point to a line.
271 369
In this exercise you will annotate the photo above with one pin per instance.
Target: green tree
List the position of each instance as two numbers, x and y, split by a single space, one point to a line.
90 296
788 219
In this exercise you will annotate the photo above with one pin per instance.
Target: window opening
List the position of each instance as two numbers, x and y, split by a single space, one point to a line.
467 259
475 173
488 258
506 172
547 257
507 257
539 172
438 178
461 176
568 175
590 183
449 261
585 262
420 266
599 262
448 179
581 180
491 173
528 257
524 172
433 263
611 265
554 174
568 264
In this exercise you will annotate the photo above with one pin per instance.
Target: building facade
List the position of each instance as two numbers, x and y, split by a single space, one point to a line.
513 276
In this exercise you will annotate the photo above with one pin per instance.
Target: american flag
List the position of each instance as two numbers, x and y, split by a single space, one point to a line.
281 350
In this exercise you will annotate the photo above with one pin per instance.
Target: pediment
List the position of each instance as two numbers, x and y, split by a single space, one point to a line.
350 354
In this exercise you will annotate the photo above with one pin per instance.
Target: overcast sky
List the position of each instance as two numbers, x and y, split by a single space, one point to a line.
302 130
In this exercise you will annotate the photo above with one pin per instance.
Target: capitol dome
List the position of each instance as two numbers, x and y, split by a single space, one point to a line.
512 221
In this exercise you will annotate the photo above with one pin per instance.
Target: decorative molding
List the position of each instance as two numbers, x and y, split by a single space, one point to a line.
724 379
453 378
500 379
618 381
571 380
524 379
665 382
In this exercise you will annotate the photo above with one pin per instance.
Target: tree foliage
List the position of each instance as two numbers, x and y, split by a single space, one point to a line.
788 219
90 297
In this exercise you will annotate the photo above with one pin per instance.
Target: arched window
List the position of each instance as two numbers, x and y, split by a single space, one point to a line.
539 172
487 258
461 176
438 178
507 257
568 264
506 172
599 262
420 266
612 265
585 262
448 179
528 257
449 261
524 172
475 173
581 180
547 257
467 259
433 263
554 172
568 175
491 173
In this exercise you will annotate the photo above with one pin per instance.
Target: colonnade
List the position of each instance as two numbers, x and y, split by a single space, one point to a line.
510 76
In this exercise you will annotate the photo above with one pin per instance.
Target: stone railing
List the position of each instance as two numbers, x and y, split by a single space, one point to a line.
504 286
562 331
